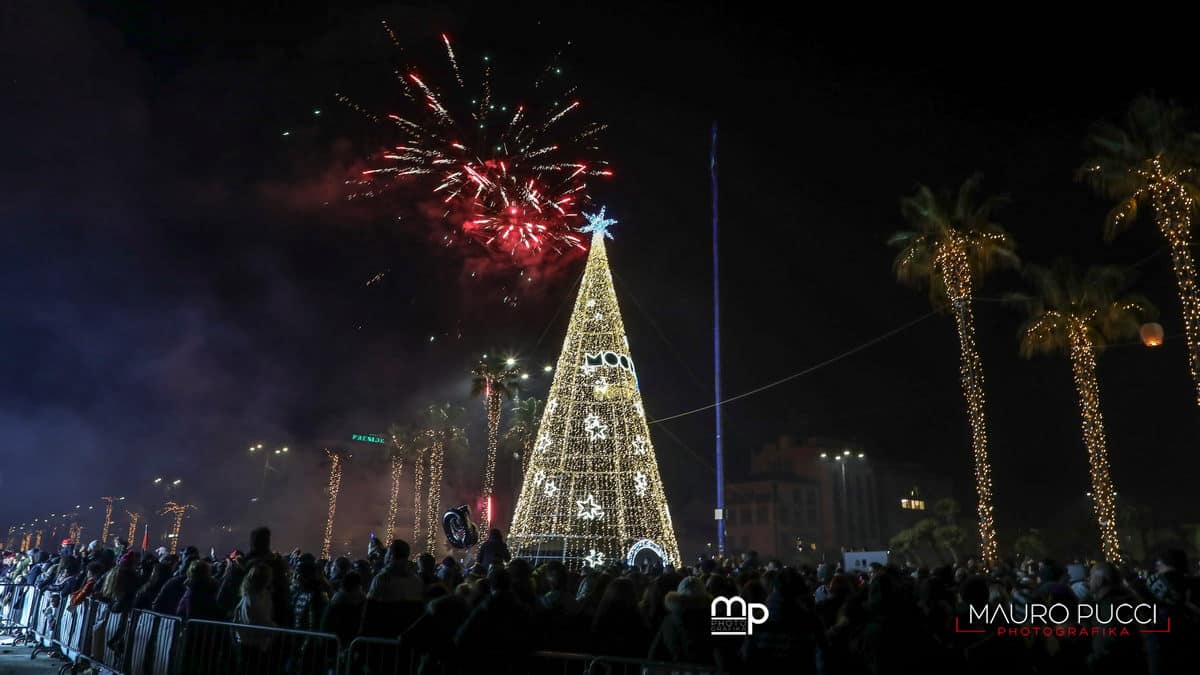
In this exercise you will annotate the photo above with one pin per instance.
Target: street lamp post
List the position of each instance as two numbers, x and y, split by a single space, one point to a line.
262 483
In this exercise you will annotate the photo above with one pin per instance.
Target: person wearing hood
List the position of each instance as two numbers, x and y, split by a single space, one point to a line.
172 592
686 634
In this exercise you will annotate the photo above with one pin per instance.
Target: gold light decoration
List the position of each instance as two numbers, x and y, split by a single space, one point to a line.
336 459
403 440
954 244
494 379
37 542
1079 316
442 429
134 517
418 492
1151 161
177 511
108 521
592 492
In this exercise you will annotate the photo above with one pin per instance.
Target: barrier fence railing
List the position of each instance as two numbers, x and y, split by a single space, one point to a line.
141 642
150 642
219 647
18 603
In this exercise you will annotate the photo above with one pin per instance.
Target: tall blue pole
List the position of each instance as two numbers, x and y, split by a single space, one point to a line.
712 171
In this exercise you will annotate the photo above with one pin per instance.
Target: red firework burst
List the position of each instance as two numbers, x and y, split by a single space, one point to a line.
512 176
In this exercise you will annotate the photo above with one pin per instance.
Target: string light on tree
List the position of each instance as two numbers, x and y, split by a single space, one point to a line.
108 521
494 380
596 446
443 428
134 517
1079 316
955 243
177 511
337 458
1151 161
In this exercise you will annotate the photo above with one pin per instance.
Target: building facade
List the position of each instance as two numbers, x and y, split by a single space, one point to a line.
815 499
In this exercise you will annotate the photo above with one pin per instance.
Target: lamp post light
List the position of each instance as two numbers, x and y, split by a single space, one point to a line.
266 453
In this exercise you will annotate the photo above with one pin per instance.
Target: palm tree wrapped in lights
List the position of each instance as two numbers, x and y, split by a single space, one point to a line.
1152 161
337 459
1079 315
953 245
134 517
178 511
443 429
494 380
405 442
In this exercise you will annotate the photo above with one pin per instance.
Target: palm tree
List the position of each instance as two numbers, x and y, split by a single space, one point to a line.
337 460
494 380
953 244
523 427
405 441
443 428
1079 315
1152 161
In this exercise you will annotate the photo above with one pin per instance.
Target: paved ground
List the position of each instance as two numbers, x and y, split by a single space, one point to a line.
15 661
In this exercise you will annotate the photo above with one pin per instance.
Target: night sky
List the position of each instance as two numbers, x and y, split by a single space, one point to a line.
176 288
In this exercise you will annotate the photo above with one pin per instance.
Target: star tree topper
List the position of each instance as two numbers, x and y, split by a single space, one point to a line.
598 224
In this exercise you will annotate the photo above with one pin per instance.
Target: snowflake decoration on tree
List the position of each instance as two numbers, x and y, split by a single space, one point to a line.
595 429
594 558
590 303
551 489
598 224
589 509
543 443
539 477
552 406
640 410
639 445
640 483
588 370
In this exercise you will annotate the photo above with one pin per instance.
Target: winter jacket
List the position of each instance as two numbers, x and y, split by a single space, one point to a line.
686 633
343 615
255 610
199 601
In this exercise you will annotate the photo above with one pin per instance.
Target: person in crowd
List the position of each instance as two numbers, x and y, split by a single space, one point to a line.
394 599
685 634
493 551
120 584
95 571
450 573
618 628
500 627
167 601
148 591
427 569
310 596
199 599
344 612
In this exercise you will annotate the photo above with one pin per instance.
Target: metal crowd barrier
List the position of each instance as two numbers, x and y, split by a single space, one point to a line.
219 647
150 642
562 663
17 605
378 656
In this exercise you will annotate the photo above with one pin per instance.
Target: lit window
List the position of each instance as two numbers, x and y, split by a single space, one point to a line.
905 504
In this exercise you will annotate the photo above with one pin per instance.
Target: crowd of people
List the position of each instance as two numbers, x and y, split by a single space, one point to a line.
501 609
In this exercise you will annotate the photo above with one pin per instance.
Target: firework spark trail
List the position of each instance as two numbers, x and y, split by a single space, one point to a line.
511 181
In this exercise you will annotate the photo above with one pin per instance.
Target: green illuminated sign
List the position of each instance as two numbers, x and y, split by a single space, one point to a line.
367 438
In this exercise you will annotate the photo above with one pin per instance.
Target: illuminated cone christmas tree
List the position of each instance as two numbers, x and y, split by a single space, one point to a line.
592 494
